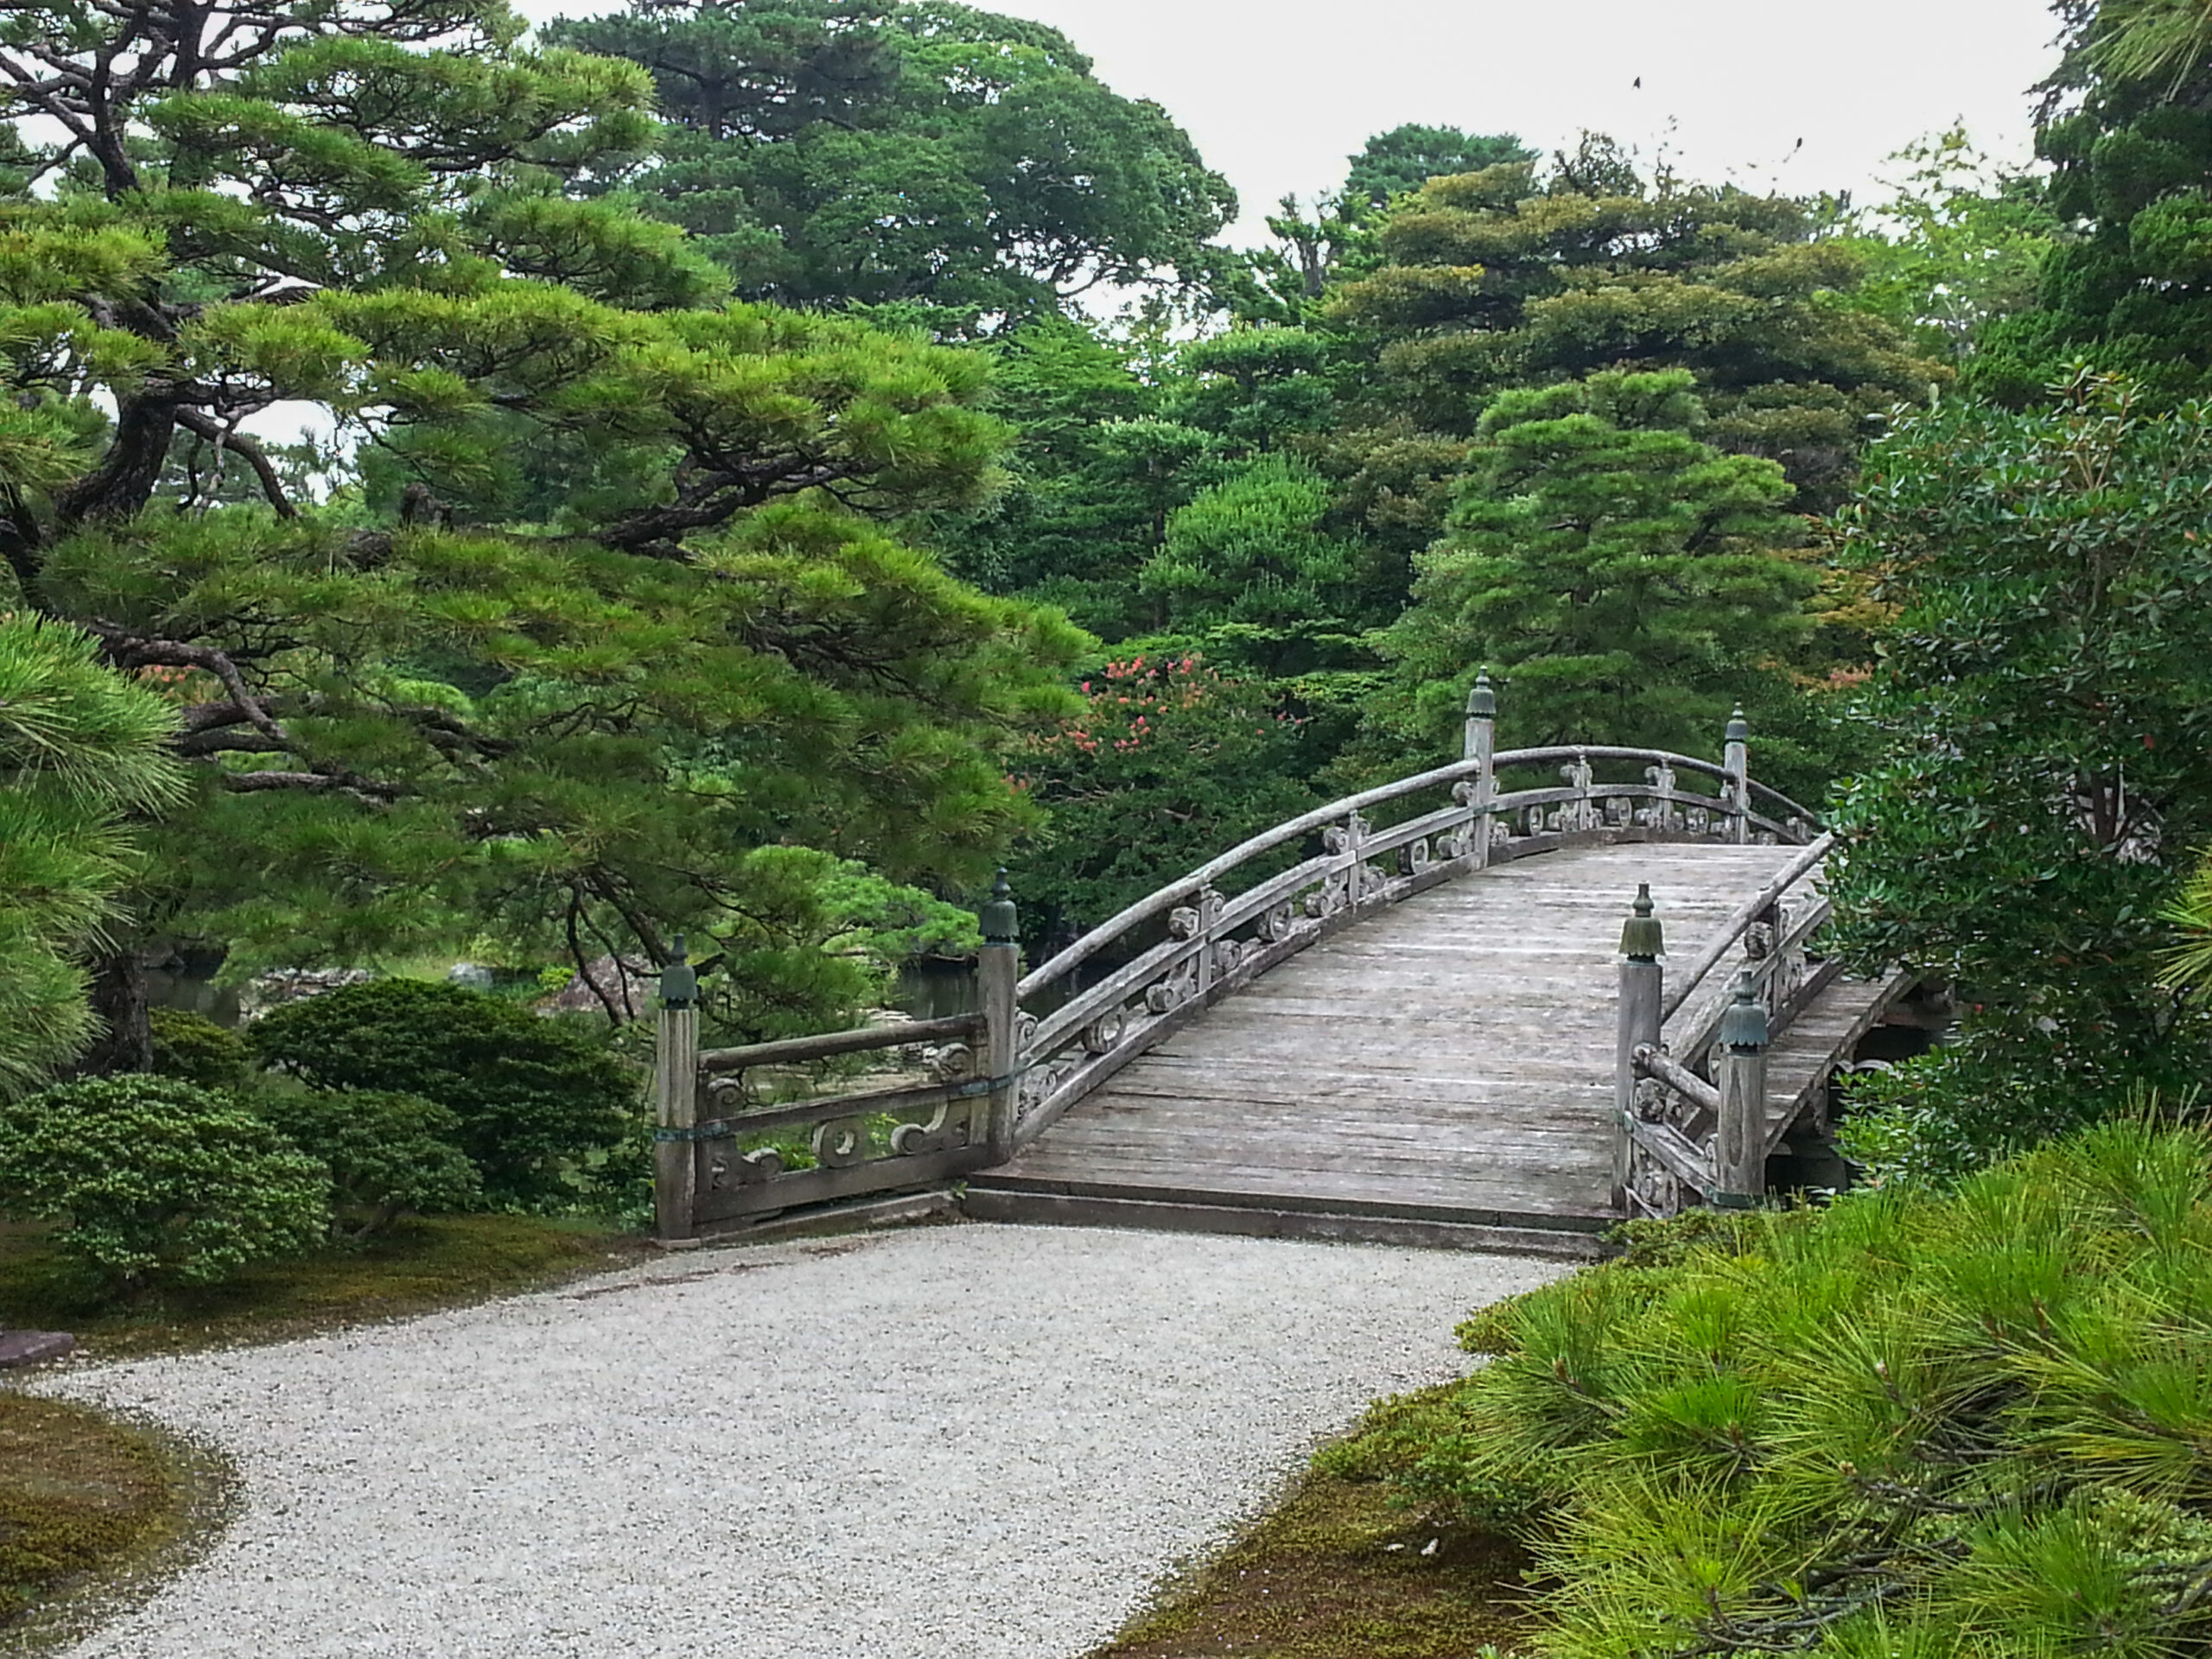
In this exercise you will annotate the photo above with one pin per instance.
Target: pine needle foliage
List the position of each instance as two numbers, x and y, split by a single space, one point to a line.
1906 1426
79 748
616 595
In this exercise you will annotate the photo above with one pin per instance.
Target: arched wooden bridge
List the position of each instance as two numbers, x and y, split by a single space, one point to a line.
1430 1027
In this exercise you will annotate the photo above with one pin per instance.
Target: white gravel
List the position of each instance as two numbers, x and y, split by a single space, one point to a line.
971 1442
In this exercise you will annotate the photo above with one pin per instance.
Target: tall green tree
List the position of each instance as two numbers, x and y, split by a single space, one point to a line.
2045 697
2125 126
1626 581
1958 244
1405 158
618 608
1320 243
944 164
1514 277
81 750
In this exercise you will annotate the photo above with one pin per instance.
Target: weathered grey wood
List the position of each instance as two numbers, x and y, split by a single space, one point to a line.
1823 1036
1254 1220
676 1068
1641 988
1684 985
1679 1078
998 966
822 1184
792 1050
1739 1143
1455 1051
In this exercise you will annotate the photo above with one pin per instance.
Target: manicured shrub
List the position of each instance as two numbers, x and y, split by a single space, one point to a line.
158 1182
1909 1425
195 1048
542 1106
388 1153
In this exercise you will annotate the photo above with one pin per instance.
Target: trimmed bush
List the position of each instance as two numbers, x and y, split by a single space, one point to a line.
158 1182
388 1153
1972 1425
193 1047
542 1106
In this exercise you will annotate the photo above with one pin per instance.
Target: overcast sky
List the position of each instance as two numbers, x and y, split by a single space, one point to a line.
1277 94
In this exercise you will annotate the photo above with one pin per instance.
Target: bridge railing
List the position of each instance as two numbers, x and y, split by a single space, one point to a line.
1044 1040
1695 1122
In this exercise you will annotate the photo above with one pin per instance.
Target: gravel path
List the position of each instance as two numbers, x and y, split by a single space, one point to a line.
969 1442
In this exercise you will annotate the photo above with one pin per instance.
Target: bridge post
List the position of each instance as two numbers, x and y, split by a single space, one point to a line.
1642 992
675 1098
998 968
1735 760
1739 1070
1481 745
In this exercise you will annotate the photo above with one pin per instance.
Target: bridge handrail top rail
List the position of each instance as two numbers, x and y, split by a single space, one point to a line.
1184 887
1680 989
791 1051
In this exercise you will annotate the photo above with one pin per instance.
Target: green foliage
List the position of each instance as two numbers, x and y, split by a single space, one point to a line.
1959 245
1506 279
2124 127
1405 158
2044 698
1903 1424
388 1153
1627 583
540 1105
1199 760
928 162
612 598
80 749
821 941
196 1049
157 1182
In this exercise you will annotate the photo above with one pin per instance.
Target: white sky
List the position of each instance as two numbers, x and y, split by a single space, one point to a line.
1277 95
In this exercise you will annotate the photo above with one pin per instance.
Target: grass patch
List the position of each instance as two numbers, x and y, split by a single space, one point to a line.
84 1500
424 1264
1337 1570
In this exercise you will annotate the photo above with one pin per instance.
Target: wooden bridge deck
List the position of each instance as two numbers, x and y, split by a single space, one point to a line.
1447 1063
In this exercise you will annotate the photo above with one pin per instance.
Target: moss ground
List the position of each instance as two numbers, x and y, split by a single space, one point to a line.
85 1502
424 1264
1335 1571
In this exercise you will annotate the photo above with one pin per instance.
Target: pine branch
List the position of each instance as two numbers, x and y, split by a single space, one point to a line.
248 449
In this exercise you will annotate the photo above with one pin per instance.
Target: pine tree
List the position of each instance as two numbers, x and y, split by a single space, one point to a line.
1511 278
80 749
1628 581
2125 124
618 601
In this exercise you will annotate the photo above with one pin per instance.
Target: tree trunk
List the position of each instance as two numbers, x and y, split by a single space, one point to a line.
124 480
119 999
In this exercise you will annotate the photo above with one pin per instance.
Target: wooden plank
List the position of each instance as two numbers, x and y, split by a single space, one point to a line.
1448 1055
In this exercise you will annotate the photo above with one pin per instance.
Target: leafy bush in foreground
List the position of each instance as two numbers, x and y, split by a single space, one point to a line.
158 1182
539 1104
1979 1424
388 1153
193 1047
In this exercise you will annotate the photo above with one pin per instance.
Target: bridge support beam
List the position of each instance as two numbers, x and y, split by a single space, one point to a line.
1740 1073
1642 993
